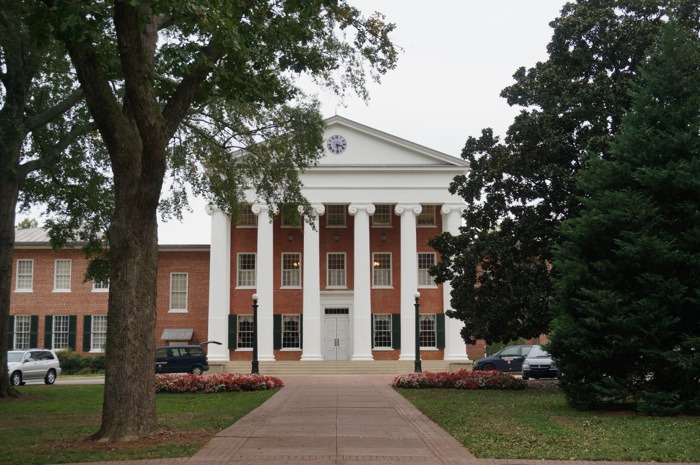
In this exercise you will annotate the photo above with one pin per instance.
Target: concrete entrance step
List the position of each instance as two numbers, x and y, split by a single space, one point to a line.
377 367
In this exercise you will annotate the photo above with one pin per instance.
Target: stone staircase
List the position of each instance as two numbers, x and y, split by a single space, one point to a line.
377 367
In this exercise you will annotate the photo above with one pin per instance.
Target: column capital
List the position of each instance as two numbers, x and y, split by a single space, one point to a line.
212 209
400 209
356 207
317 208
453 207
259 208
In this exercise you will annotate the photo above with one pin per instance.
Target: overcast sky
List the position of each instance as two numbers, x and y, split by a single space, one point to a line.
457 57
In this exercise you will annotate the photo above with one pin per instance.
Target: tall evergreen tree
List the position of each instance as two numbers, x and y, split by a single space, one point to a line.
519 190
627 275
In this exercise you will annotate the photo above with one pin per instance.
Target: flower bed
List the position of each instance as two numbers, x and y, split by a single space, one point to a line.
219 382
461 379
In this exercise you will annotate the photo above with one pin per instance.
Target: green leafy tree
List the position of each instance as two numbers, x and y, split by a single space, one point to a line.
627 274
41 118
28 223
520 190
205 89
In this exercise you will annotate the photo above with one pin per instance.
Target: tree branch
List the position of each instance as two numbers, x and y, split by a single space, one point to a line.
54 155
54 112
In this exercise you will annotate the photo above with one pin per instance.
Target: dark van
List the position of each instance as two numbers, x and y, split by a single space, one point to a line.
181 359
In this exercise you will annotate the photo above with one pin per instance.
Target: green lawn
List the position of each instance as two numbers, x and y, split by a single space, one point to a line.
49 424
539 425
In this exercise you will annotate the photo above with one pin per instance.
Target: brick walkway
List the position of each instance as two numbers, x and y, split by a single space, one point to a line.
336 420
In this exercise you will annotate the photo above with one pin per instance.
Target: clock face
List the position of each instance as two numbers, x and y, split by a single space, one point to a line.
336 144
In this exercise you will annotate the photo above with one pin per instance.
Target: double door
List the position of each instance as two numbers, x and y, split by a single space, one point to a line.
336 334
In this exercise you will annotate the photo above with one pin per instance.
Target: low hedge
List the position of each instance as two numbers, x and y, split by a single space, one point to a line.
76 364
461 379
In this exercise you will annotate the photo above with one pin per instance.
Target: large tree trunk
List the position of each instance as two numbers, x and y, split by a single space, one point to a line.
9 191
129 409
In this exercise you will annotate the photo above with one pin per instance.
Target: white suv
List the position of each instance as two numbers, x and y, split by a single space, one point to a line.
32 365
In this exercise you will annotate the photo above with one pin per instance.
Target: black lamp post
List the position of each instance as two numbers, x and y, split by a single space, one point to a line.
417 365
254 366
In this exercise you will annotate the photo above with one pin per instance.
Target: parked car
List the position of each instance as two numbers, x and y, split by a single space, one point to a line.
32 365
539 364
181 359
508 359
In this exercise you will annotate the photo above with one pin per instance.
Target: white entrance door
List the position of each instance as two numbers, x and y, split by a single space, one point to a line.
336 335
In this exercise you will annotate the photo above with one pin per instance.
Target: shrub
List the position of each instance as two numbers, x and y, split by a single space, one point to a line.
73 363
219 382
461 379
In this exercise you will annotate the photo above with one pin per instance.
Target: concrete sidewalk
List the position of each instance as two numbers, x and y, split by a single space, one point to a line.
334 420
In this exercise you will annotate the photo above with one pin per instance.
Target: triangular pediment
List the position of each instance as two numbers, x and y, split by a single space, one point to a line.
351 144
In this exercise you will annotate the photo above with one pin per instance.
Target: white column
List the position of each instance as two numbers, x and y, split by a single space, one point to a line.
455 347
362 300
264 271
409 278
219 284
311 264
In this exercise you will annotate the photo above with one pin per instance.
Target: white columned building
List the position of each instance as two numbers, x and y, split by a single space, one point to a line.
342 285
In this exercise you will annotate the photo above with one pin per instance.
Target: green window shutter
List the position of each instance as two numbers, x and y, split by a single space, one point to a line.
371 329
396 331
232 331
72 326
11 333
277 331
440 326
48 332
301 331
87 333
34 332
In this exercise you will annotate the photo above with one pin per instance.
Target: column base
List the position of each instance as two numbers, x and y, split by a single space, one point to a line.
456 358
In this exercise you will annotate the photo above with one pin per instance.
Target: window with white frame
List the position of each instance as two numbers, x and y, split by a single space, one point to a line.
382 331
178 292
98 336
100 286
291 331
382 215
428 331
60 332
336 270
247 218
61 276
335 215
381 269
246 270
425 262
25 275
245 331
291 270
426 216
23 332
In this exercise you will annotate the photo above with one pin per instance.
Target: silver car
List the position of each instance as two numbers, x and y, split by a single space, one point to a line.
539 364
32 365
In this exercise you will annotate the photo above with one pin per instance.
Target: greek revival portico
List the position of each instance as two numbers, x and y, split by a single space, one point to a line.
362 169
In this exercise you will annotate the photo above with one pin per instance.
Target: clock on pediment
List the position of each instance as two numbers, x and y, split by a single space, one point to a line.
336 144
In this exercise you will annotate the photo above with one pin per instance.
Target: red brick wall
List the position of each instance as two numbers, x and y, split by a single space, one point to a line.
196 265
82 301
